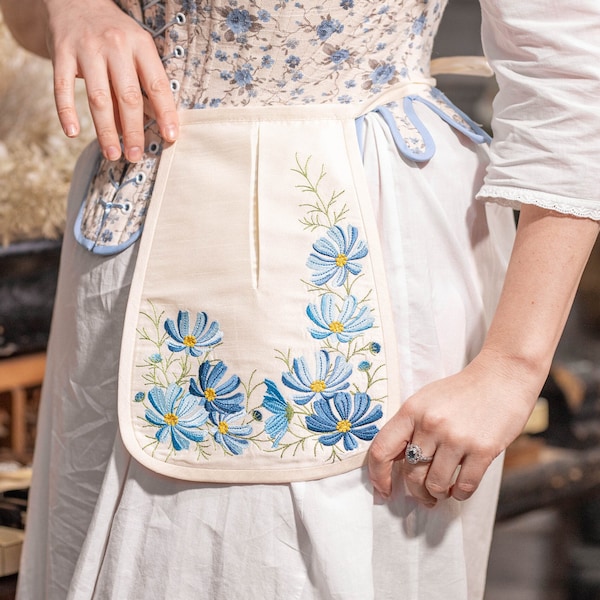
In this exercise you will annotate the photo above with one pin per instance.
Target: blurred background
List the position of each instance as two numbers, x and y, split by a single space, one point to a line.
547 538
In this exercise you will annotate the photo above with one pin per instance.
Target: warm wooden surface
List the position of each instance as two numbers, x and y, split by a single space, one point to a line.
16 375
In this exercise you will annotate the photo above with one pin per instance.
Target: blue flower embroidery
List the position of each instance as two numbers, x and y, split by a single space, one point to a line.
325 383
216 397
243 77
339 56
346 422
277 425
292 61
177 415
345 323
200 340
337 256
264 15
419 24
327 27
239 20
230 436
375 347
383 74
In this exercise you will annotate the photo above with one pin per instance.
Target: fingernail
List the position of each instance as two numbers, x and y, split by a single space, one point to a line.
134 154
170 133
113 153
70 130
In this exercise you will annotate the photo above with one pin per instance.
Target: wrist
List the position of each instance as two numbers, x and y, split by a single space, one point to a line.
527 370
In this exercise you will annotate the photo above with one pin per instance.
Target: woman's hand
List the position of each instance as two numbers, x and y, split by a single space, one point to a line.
465 420
117 59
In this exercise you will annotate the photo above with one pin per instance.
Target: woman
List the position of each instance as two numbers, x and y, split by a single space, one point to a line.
272 81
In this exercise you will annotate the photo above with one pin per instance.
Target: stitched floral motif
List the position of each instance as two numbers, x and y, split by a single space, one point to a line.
321 403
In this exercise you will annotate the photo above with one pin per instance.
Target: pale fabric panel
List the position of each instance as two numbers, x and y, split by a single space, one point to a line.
546 121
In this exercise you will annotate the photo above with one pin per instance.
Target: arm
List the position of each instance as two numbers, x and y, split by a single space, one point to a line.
27 21
471 417
95 40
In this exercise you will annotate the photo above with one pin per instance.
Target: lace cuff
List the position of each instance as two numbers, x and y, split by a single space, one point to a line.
515 197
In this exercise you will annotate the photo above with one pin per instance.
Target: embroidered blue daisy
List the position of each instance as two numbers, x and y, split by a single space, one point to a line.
276 425
344 420
344 323
229 435
336 255
326 381
217 396
195 342
177 415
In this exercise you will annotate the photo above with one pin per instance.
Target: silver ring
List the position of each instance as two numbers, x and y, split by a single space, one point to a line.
413 455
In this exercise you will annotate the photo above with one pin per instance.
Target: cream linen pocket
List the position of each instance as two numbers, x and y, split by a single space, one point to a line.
258 342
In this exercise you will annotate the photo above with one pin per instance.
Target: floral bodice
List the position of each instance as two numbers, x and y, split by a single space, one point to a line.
236 53
277 51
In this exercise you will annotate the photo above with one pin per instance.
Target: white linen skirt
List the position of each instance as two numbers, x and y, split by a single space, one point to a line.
100 525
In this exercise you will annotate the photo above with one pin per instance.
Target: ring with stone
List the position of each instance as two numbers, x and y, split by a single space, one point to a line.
413 455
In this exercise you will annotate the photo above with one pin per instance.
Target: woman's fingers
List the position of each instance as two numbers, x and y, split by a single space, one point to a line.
416 474
120 65
159 96
470 475
65 71
388 447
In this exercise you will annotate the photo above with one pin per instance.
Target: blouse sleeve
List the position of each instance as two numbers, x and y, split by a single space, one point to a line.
546 124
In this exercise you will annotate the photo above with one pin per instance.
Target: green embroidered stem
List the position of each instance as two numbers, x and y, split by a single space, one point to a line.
320 208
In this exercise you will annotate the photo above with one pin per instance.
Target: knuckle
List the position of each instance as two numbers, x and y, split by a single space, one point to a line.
432 422
436 489
66 112
464 489
159 85
377 451
99 99
62 86
412 477
115 36
105 135
131 96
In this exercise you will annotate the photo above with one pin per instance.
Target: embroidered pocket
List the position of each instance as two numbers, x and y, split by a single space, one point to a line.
256 344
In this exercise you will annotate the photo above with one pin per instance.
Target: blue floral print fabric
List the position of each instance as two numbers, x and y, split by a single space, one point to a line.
237 53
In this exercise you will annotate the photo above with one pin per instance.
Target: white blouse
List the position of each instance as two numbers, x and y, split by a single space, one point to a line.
546 56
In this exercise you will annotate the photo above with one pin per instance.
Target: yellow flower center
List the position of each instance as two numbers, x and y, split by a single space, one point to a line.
336 327
344 426
210 394
171 419
223 427
318 386
189 341
341 260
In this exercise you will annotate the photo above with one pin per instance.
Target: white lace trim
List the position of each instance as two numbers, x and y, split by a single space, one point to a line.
514 197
